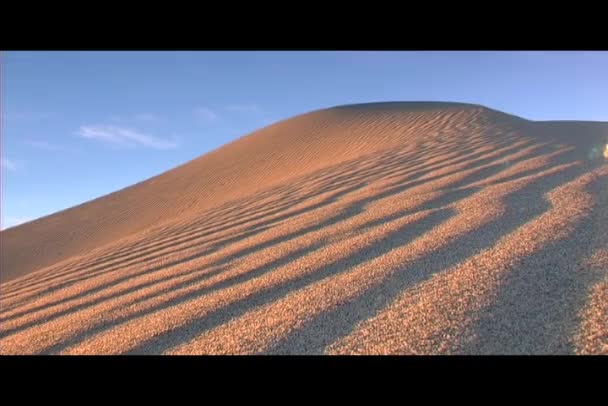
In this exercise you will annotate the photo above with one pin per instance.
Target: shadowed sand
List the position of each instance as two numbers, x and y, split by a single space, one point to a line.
382 228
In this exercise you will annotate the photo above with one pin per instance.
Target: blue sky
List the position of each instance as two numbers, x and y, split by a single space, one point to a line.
78 125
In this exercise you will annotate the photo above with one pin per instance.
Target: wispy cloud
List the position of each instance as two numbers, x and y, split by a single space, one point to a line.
124 136
245 108
205 114
8 164
13 221
48 146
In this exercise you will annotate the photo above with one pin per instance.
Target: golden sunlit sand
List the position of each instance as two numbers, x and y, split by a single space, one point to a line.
383 228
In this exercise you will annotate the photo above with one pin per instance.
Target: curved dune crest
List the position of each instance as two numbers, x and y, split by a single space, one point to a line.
393 228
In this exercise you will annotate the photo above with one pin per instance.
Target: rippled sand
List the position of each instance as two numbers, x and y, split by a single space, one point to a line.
385 228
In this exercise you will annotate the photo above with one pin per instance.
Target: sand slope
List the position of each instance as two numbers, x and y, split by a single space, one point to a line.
384 228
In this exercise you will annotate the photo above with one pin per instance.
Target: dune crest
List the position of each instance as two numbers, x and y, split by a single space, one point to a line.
394 227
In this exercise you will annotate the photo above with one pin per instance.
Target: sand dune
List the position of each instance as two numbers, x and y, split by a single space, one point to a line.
383 228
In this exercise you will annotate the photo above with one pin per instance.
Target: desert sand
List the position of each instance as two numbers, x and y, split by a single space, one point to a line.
381 228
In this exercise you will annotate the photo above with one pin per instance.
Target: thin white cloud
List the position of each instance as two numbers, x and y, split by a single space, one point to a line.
245 108
8 222
8 164
205 114
124 136
48 146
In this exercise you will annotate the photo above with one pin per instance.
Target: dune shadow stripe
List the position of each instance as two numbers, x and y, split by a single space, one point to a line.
536 310
328 327
405 234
